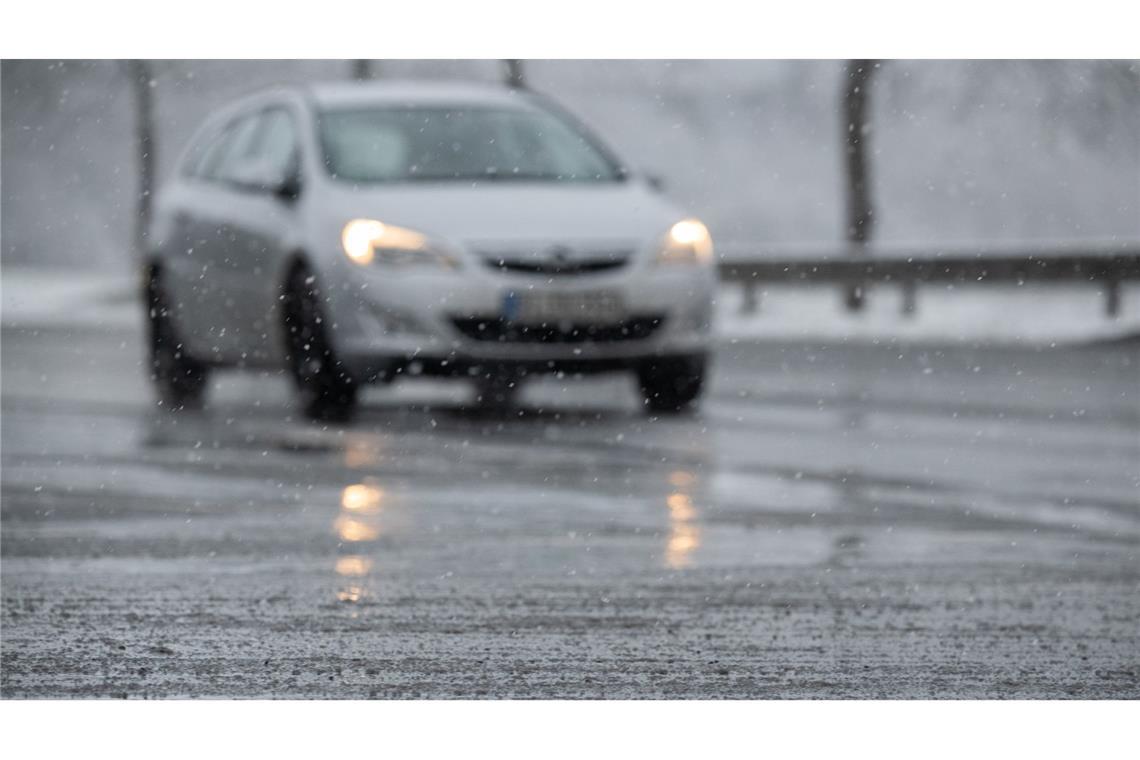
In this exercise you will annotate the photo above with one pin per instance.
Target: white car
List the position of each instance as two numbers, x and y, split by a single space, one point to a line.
358 233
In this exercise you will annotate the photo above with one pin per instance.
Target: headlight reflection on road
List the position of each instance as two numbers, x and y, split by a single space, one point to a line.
684 535
361 499
355 531
353 566
681 479
357 523
361 451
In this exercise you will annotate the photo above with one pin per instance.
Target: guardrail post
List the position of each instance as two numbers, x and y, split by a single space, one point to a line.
855 295
1112 298
750 303
909 298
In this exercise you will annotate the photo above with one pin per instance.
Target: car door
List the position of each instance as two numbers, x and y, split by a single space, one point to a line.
201 232
192 229
262 230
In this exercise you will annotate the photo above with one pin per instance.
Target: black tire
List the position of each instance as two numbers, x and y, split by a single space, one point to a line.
327 390
180 380
672 384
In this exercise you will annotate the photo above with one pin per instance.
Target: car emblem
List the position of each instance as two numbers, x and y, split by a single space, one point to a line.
559 254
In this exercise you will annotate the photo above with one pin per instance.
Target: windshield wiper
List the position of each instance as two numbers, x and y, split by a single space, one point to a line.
525 176
494 175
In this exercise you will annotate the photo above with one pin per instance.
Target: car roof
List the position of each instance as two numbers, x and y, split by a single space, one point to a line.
414 93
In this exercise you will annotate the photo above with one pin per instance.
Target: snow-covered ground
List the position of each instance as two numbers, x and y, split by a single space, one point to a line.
998 314
41 298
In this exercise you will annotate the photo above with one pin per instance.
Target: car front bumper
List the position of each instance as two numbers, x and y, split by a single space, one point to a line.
453 322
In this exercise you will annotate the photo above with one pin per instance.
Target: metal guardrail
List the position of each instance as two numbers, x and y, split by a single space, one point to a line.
1105 265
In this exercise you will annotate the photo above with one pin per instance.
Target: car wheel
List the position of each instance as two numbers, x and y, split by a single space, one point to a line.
327 390
671 384
180 380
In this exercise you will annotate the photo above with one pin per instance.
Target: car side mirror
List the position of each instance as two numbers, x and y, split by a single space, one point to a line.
260 177
289 186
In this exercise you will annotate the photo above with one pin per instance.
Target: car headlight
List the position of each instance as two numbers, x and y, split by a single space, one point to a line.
367 241
687 242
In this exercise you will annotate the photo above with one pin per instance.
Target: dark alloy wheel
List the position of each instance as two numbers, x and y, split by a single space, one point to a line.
327 391
180 380
671 384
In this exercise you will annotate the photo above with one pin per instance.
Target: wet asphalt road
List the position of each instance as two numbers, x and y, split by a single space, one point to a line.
843 521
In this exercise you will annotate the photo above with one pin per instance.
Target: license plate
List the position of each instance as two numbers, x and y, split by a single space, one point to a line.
579 307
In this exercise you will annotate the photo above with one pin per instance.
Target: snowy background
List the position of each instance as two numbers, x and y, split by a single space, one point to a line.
963 151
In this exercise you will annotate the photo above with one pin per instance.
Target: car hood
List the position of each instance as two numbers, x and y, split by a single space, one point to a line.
506 213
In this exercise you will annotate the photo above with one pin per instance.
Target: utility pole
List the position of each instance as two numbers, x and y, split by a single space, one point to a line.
515 78
140 78
860 216
361 69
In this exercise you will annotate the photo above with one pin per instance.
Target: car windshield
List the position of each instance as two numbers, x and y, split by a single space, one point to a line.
407 144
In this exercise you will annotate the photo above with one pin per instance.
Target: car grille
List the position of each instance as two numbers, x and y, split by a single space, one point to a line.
585 263
502 331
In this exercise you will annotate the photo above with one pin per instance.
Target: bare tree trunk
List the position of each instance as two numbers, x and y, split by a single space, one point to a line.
140 77
515 77
362 70
860 211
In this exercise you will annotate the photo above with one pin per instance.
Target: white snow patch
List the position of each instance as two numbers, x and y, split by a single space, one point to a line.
42 298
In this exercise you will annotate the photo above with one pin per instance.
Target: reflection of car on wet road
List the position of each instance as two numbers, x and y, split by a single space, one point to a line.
359 233
842 521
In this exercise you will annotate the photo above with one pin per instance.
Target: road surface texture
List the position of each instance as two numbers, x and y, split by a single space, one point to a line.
836 521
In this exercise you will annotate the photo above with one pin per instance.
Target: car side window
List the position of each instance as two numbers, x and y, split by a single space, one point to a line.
195 157
276 143
236 148
206 154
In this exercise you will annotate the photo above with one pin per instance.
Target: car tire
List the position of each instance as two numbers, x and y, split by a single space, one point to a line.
671 384
180 380
326 389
